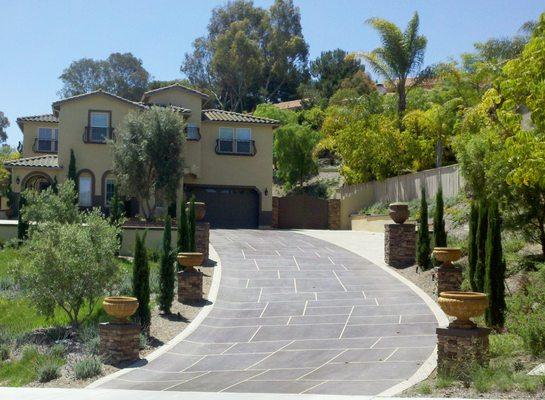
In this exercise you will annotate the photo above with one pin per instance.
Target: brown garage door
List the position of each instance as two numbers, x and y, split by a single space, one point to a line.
228 207
302 211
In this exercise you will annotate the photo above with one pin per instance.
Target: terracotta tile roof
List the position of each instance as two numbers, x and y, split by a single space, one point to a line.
46 161
176 85
290 105
99 91
39 118
230 116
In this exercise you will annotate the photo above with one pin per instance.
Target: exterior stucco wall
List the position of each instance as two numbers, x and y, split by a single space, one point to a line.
30 133
177 97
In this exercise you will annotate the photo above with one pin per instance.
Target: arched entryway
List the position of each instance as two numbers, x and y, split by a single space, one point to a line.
36 181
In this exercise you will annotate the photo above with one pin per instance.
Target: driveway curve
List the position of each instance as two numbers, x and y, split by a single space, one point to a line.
296 314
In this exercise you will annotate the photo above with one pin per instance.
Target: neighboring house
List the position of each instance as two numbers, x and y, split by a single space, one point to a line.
228 156
293 105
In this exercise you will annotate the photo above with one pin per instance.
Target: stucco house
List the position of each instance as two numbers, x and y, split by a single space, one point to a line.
228 155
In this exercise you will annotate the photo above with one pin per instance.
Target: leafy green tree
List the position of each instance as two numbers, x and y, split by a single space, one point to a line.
495 267
472 254
423 247
401 55
121 74
439 233
116 208
294 146
269 110
69 266
166 284
4 123
265 49
192 226
140 282
148 156
183 230
482 230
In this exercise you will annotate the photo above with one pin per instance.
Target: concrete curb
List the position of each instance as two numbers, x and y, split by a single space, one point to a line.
189 329
431 363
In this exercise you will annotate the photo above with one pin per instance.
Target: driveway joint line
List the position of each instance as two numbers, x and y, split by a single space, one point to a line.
324 364
374 344
393 352
180 383
270 355
339 279
346 323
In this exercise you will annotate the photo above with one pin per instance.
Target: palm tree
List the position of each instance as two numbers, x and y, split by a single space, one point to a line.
401 54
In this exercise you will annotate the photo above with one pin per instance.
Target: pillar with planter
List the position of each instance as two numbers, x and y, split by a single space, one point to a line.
119 339
399 238
448 275
462 344
202 229
189 278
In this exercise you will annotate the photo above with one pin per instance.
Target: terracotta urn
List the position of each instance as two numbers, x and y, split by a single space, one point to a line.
120 307
447 255
200 210
190 260
399 212
463 306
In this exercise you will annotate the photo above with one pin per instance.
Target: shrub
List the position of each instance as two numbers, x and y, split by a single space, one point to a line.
183 230
88 368
439 234
4 351
140 282
69 266
57 350
423 242
143 341
192 225
92 346
48 370
482 229
472 245
166 288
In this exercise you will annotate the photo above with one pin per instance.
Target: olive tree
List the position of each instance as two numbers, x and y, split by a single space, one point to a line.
147 156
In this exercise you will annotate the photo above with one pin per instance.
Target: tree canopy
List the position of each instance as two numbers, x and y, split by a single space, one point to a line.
121 73
250 55
4 123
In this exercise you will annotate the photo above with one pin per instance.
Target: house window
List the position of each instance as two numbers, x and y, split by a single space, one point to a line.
85 185
244 140
110 188
47 140
226 139
192 130
100 125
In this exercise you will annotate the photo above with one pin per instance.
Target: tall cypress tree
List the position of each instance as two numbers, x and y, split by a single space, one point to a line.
192 224
439 233
482 228
494 285
423 242
22 225
183 230
140 282
166 284
72 174
472 244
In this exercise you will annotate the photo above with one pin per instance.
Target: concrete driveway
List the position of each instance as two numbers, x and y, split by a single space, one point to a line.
296 314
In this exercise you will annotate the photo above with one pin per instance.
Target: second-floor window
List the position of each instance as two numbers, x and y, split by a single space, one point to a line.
235 141
47 140
192 130
100 125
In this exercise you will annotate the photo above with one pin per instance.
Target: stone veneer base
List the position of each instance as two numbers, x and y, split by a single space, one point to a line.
119 342
202 237
189 286
399 245
460 349
449 278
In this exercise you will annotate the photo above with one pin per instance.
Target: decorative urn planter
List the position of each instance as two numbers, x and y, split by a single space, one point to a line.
120 307
447 255
399 212
463 306
200 210
190 260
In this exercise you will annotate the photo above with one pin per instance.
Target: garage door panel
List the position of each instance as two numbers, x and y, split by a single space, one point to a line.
228 207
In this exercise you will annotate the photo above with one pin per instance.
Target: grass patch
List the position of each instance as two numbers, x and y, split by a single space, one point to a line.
26 369
424 389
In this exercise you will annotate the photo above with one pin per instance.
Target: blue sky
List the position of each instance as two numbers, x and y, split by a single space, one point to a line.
38 39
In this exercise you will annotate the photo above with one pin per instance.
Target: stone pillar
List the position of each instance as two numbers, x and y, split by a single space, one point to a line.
459 349
399 245
275 205
449 278
189 286
119 342
334 214
202 237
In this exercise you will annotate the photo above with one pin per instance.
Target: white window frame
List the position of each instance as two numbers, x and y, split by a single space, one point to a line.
232 139
192 125
249 141
92 138
53 139
236 140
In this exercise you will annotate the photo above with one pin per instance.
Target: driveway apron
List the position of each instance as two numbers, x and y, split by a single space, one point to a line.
295 314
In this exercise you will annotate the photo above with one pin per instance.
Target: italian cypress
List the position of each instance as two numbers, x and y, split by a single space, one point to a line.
182 242
140 282
72 174
482 228
192 225
423 240
166 284
472 244
22 225
494 285
439 233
